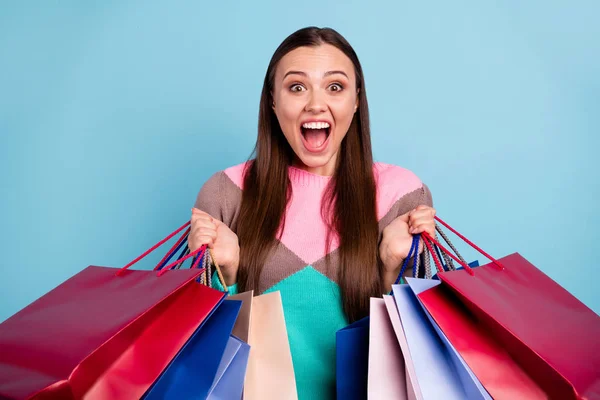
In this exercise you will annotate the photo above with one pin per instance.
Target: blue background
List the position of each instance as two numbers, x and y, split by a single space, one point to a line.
113 114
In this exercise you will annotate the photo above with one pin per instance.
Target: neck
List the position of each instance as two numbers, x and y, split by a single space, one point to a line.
323 170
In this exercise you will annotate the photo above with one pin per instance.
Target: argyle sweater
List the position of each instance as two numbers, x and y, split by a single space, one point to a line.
296 267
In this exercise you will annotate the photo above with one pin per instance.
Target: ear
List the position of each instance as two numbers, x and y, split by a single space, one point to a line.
273 102
357 100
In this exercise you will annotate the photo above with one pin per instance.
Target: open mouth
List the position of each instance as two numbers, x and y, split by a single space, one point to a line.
315 135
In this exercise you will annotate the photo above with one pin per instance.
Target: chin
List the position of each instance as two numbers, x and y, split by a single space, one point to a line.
315 161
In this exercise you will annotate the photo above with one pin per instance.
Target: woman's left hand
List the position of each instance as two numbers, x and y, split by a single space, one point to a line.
397 236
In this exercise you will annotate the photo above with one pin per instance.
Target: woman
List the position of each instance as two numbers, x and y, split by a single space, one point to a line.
312 215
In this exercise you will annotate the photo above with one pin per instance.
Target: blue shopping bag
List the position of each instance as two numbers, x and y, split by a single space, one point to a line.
229 383
192 372
352 360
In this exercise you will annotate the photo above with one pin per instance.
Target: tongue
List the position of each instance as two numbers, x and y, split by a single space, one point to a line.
315 137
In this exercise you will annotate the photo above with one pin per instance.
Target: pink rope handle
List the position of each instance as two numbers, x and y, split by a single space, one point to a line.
157 245
435 259
187 231
473 245
199 251
445 250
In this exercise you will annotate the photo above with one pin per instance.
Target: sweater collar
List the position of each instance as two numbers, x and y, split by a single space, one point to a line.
300 177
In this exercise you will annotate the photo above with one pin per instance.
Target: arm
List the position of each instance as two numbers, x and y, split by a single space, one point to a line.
209 227
414 217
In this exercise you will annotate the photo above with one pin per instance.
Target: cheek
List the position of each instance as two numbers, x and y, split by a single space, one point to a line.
287 117
344 112
288 111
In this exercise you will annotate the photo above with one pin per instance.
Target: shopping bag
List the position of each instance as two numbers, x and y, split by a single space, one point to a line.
474 345
229 382
550 333
467 375
241 329
352 360
413 391
191 374
101 335
437 375
270 372
387 372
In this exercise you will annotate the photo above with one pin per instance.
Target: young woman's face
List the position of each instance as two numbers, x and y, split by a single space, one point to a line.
315 98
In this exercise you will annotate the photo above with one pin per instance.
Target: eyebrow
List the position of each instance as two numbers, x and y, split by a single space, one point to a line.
328 73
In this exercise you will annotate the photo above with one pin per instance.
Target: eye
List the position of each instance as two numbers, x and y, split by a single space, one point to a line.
296 87
336 87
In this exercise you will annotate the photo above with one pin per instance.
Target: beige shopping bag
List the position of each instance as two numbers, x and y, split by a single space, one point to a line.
270 373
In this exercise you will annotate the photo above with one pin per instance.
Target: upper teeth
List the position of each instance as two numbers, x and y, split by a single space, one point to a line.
315 125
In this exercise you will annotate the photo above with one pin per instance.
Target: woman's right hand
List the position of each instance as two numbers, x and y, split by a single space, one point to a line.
220 239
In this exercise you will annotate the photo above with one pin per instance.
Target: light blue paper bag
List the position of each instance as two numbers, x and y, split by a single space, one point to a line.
437 372
470 383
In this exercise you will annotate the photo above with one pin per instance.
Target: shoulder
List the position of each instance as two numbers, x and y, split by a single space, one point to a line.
398 189
232 177
235 174
404 180
226 183
221 194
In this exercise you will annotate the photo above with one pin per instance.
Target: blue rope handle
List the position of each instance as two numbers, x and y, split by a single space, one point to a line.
413 248
415 256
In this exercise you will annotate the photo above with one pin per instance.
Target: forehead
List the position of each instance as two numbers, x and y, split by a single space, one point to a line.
315 61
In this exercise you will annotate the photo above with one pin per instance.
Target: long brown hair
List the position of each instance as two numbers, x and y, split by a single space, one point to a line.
349 205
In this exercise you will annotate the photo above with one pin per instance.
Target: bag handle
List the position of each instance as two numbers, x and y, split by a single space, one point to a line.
473 245
441 232
173 249
461 262
427 263
157 245
427 239
414 248
198 252
210 259
204 261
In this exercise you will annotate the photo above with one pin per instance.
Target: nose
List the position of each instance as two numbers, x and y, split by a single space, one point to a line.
316 102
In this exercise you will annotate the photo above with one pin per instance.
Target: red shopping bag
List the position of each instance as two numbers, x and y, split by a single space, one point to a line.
101 333
553 336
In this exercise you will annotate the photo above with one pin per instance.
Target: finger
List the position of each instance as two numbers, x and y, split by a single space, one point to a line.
426 212
204 231
416 215
420 221
423 227
202 220
199 213
196 242
424 207
204 239
423 210
202 226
